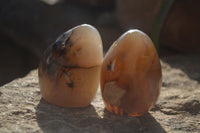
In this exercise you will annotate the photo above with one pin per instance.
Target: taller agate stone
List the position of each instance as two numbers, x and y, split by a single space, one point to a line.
131 75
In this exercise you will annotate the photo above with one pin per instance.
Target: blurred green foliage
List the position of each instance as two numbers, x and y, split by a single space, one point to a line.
159 21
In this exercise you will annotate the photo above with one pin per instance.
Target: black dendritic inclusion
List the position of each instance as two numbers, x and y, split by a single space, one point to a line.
71 85
67 42
58 48
109 66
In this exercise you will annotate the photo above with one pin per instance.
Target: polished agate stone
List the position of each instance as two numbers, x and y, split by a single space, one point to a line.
69 73
131 75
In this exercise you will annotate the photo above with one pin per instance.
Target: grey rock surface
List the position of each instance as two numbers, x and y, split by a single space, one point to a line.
178 109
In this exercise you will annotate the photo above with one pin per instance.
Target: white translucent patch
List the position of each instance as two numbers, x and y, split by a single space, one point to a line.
113 65
112 93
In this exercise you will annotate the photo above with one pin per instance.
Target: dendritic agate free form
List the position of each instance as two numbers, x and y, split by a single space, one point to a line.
69 73
131 75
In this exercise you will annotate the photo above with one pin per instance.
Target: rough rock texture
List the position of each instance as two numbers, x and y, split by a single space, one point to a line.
177 110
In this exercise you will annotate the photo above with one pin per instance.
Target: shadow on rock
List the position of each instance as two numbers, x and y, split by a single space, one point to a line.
53 119
145 123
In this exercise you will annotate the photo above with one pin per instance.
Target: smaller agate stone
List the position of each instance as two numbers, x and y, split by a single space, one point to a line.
69 72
